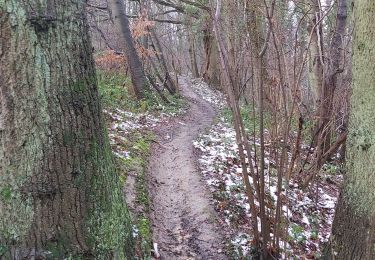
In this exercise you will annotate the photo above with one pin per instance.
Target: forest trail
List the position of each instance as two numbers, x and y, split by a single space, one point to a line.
183 217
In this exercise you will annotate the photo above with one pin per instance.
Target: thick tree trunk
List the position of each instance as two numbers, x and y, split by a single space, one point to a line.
354 225
353 234
211 73
117 8
59 193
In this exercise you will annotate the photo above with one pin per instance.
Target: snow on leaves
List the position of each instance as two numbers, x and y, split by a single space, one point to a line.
309 214
122 123
212 96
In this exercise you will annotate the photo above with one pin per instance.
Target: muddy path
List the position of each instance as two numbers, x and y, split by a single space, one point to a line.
183 218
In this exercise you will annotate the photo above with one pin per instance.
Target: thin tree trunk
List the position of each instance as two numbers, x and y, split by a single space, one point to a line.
334 68
316 68
59 193
260 74
160 91
193 55
171 86
241 136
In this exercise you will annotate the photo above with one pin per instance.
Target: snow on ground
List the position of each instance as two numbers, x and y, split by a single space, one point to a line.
212 96
122 123
309 213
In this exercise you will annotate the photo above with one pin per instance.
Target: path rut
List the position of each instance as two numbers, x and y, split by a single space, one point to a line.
183 218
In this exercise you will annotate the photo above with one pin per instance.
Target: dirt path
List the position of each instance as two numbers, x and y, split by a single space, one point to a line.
183 218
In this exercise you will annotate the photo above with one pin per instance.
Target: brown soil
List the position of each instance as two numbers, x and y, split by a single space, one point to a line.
184 221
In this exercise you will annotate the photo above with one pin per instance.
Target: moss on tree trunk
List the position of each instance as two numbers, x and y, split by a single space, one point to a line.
59 192
354 224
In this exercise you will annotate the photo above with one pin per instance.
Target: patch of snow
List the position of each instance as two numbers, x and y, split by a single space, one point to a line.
212 96
220 165
122 123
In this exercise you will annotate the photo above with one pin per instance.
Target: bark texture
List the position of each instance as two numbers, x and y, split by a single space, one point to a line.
59 193
193 54
354 224
211 72
117 8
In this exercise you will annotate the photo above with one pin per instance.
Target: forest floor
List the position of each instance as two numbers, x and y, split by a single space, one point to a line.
307 213
183 180
185 224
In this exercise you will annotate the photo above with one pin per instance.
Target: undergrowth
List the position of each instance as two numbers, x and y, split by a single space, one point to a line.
114 89
139 144
114 92
250 118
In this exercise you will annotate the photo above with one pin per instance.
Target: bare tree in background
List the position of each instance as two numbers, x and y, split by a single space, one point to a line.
117 9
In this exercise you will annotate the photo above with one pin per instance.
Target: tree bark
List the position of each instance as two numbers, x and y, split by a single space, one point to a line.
353 231
211 66
254 25
117 8
59 193
316 61
332 71
193 55
160 56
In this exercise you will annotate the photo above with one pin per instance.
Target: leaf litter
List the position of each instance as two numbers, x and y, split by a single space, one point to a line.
309 214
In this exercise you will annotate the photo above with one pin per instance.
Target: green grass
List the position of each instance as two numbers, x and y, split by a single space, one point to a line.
251 121
114 92
113 89
138 143
250 118
139 146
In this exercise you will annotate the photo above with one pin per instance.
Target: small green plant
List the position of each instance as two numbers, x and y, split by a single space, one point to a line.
3 249
144 226
142 145
250 118
314 234
297 233
114 91
331 169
